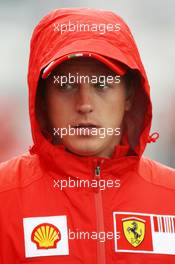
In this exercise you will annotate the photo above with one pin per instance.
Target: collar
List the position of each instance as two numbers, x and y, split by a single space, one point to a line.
68 164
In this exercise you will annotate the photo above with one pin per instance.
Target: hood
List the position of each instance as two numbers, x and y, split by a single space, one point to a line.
48 44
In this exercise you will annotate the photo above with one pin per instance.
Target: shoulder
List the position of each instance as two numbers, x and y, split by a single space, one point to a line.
157 173
19 171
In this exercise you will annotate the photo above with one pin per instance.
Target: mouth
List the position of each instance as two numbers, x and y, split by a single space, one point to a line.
85 125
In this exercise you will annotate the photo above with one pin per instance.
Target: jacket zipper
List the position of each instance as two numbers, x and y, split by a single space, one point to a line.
101 258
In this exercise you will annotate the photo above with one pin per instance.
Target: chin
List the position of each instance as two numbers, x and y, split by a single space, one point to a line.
85 146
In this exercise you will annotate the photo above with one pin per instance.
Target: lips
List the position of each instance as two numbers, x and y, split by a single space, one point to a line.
85 125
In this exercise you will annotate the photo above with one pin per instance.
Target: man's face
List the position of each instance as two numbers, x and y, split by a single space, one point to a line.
94 106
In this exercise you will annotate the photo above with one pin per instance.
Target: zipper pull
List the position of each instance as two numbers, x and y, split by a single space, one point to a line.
97 171
98 167
97 175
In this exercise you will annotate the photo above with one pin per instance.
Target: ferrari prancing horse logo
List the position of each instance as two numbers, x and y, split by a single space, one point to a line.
134 230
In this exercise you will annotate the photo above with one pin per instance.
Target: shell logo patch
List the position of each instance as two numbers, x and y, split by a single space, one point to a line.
46 236
144 233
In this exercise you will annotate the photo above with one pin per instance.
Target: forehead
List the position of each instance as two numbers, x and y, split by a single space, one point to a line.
83 64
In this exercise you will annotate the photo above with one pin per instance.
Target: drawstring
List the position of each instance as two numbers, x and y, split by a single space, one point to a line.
153 137
32 149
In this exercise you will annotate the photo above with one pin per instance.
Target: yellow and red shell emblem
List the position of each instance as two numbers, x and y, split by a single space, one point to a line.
46 236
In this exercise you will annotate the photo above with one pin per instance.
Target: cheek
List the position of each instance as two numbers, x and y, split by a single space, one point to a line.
59 112
113 109
115 103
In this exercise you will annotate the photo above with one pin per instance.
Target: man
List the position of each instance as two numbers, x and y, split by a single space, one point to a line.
84 193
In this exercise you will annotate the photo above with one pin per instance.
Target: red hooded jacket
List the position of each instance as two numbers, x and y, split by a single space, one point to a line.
132 221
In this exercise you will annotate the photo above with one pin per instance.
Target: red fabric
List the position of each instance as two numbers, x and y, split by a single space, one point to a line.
26 182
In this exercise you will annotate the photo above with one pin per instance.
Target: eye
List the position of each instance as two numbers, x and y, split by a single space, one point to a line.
102 85
67 86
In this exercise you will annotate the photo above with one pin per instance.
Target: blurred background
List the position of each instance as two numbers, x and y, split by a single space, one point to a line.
153 26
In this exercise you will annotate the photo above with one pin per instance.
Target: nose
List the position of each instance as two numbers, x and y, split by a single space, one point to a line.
84 99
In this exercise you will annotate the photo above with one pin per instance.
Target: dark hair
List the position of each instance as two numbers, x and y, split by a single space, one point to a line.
41 108
132 80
